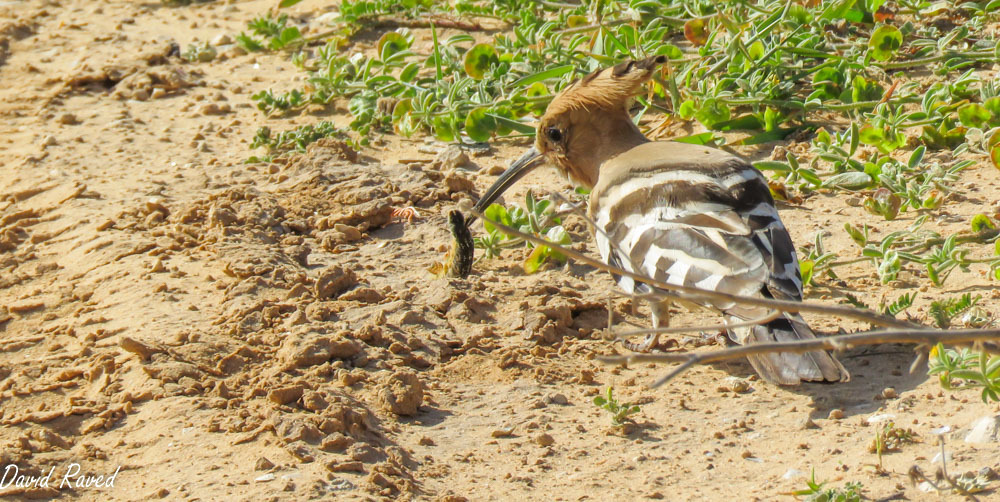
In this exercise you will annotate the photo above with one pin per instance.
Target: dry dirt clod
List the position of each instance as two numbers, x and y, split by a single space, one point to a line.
68 118
456 182
296 319
334 281
502 432
25 306
544 439
285 395
136 347
223 217
221 39
336 442
214 109
263 464
158 266
402 393
559 399
313 401
345 466
836 414
451 157
351 233
305 347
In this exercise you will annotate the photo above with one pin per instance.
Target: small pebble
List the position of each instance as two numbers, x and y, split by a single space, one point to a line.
222 39
836 414
557 399
158 266
503 432
68 119
889 393
263 464
544 439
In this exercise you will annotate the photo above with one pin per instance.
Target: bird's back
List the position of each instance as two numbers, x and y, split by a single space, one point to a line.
696 216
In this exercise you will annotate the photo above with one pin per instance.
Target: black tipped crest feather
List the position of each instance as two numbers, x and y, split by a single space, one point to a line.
606 89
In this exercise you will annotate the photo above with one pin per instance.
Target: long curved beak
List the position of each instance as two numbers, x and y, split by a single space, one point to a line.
530 160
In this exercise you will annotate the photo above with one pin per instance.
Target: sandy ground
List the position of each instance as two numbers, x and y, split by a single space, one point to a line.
220 331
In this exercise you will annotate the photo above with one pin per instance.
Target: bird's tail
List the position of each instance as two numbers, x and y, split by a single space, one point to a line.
786 368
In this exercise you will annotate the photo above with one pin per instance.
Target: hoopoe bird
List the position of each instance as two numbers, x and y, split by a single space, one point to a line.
679 213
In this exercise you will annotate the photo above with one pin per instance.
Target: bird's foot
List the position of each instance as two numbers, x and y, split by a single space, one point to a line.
645 346
705 338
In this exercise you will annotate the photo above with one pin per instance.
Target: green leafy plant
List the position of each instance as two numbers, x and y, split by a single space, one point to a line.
295 140
815 261
199 52
268 102
536 218
936 254
816 492
966 368
885 42
902 303
890 438
274 32
894 308
763 68
972 482
619 412
944 311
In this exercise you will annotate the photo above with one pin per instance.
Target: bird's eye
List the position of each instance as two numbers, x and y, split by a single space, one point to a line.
554 135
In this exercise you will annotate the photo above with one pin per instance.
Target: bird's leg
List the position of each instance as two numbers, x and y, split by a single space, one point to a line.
660 310
611 312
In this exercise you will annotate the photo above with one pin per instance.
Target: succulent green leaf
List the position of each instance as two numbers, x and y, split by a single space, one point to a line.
712 112
479 125
479 59
885 42
974 115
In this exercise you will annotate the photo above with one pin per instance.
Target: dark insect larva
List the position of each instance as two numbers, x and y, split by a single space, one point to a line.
459 261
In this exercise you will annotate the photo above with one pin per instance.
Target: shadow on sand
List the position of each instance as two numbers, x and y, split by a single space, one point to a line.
872 369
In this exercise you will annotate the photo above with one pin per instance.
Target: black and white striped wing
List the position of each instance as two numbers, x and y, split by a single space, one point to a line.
713 228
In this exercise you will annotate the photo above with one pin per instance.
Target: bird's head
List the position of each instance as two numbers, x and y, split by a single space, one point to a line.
583 126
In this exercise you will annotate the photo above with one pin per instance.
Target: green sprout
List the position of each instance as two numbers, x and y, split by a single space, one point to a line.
619 412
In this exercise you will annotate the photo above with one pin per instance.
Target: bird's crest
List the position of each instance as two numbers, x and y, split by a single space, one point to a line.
607 88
